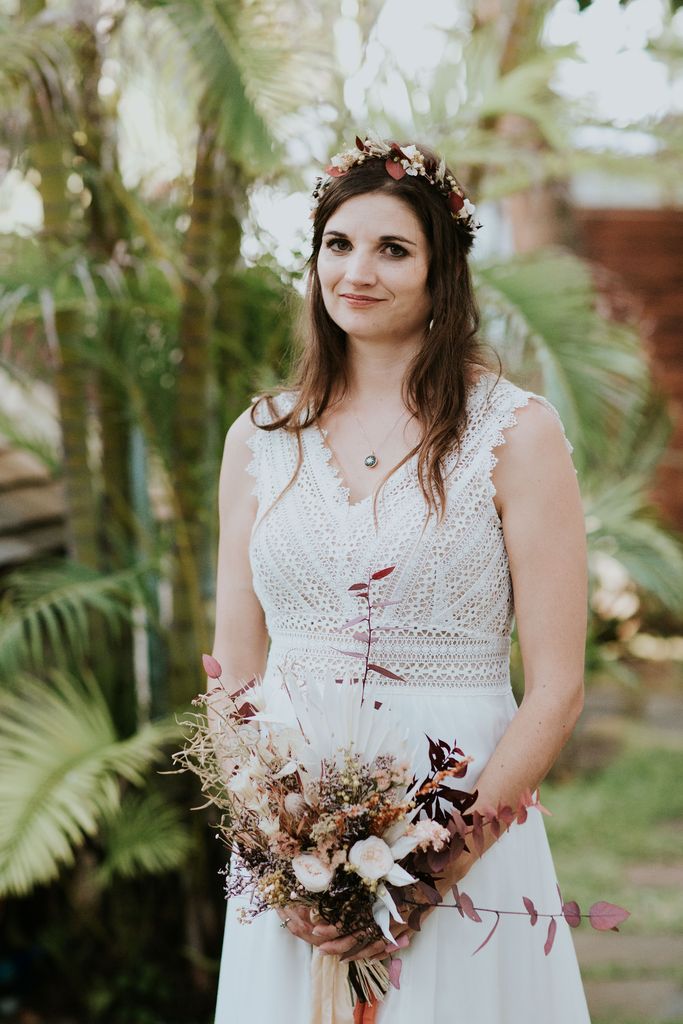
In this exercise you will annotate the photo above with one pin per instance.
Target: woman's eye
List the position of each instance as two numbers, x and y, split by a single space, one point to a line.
333 243
396 250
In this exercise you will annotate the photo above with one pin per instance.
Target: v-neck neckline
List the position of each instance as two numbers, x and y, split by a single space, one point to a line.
332 469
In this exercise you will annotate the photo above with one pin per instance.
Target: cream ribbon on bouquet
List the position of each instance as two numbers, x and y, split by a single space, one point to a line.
330 993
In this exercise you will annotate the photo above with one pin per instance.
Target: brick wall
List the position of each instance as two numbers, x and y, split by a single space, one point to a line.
645 249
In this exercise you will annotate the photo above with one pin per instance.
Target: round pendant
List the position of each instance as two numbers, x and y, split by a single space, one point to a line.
371 461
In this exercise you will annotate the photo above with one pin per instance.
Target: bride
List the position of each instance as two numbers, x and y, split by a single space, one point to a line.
395 443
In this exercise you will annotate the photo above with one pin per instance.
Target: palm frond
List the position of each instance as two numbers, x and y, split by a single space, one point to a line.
145 836
60 769
47 608
540 312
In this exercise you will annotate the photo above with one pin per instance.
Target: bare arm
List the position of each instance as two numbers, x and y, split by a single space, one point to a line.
241 639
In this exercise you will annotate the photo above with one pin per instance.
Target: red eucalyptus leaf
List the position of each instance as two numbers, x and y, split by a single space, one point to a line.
571 913
358 586
456 894
360 636
429 893
456 824
247 710
395 965
496 923
361 146
455 202
383 604
353 622
381 573
552 928
530 909
211 666
350 654
468 906
605 917
396 170
384 672
438 862
414 919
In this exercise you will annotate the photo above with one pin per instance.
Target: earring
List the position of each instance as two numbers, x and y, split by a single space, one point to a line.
431 324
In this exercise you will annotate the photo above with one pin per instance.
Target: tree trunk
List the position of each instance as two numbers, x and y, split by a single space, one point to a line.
189 635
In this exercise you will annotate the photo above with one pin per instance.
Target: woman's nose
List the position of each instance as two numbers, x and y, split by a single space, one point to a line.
360 268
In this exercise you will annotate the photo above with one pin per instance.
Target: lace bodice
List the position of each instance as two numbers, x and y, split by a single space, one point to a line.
450 624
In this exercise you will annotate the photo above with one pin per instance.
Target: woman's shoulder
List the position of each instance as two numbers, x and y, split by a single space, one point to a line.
270 406
507 404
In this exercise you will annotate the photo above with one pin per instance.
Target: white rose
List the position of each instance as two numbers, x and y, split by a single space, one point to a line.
371 858
312 872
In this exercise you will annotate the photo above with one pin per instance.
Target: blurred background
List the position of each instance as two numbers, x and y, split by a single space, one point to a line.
156 160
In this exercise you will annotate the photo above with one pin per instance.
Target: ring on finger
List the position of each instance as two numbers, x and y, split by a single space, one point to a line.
285 923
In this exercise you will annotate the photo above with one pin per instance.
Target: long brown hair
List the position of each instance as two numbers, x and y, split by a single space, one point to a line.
436 381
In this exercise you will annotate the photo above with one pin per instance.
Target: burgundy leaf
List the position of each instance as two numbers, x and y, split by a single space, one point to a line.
414 919
395 169
350 654
384 671
381 573
552 928
358 586
395 965
531 910
212 667
489 934
360 636
605 917
353 622
429 893
247 710
438 862
456 824
361 146
478 833
468 906
455 202
383 604
456 894
572 913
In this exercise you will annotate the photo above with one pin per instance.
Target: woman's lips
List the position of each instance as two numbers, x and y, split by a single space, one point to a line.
360 300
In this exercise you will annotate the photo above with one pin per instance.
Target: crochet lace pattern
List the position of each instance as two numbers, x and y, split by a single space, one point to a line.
450 628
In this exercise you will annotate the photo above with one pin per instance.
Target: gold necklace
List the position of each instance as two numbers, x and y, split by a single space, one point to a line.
372 459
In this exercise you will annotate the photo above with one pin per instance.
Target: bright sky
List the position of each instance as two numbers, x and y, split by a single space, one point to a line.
616 75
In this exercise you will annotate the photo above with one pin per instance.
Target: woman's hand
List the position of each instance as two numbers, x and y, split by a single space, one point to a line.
306 924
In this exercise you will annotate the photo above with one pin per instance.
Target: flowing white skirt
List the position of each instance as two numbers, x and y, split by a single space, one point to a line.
265 971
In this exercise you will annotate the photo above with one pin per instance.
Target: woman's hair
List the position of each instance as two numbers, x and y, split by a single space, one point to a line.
436 381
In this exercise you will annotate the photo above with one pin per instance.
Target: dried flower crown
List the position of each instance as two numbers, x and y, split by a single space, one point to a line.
399 161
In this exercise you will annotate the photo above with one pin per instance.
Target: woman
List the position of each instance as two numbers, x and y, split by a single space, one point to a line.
382 453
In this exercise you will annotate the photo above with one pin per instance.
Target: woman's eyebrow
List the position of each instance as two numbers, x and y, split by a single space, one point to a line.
382 238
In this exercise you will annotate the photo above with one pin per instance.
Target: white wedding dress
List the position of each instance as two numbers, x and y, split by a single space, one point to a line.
448 636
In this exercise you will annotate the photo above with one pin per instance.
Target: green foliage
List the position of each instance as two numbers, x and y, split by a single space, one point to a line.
145 836
61 769
46 611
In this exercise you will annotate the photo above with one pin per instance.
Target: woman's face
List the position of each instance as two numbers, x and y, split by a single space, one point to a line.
372 266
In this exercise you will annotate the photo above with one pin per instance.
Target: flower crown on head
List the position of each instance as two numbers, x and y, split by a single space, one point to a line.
399 161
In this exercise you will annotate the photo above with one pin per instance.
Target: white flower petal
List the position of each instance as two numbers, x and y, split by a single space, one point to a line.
381 916
398 876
